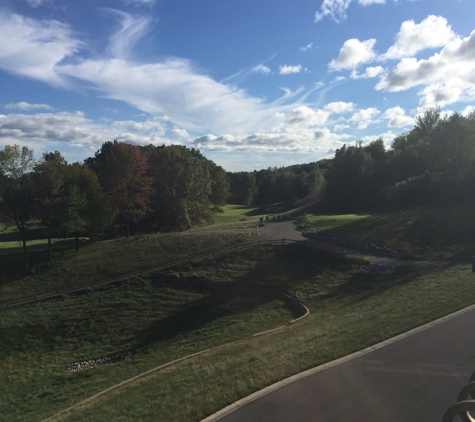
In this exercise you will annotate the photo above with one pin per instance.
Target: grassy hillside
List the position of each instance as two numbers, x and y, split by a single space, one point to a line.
438 232
350 310
103 259
159 324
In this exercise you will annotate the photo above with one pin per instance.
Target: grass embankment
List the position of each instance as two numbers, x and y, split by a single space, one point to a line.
350 311
234 213
438 232
309 222
104 259
158 323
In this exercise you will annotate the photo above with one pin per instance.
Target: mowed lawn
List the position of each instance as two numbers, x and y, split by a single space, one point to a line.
101 259
234 213
350 310
157 323
325 222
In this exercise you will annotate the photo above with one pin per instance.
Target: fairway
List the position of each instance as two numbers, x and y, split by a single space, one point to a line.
325 222
234 213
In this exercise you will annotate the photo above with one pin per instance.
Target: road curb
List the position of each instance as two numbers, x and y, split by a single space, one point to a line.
258 394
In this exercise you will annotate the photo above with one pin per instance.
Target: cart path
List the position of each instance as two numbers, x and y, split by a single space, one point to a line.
279 230
416 376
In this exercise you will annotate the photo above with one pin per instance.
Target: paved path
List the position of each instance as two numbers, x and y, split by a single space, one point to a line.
284 229
416 378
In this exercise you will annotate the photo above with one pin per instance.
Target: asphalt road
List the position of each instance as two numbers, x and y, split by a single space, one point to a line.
284 229
414 379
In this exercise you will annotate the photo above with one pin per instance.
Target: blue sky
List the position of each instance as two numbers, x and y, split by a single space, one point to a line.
251 84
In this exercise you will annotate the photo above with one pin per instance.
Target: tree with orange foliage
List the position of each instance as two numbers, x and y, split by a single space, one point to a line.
124 180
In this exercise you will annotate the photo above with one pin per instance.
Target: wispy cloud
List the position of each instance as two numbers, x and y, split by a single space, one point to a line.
33 48
27 106
307 47
336 9
260 68
133 28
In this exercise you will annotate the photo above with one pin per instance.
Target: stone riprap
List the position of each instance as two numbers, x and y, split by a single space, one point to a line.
358 245
94 363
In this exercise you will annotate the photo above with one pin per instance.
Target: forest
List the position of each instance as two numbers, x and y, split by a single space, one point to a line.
150 188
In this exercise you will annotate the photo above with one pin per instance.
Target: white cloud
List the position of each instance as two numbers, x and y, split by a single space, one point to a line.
37 3
353 53
181 133
336 9
370 72
133 28
22 105
467 110
305 141
140 2
261 69
49 129
370 2
448 76
307 47
397 117
432 32
387 137
339 107
340 127
287 70
33 48
364 117
307 117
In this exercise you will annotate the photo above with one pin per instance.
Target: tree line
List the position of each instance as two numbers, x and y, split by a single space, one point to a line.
432 163
148 188
154 188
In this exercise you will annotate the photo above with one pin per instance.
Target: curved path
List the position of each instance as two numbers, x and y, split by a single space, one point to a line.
415 376
279 230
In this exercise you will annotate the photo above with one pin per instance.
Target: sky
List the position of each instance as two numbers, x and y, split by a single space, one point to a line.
251 84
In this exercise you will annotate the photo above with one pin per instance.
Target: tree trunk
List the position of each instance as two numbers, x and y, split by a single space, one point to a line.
50 257
127 219
25 255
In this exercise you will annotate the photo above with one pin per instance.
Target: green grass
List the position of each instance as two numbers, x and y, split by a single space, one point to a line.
34 246
160 324
438 232
234 213
104 259
350 311
310 222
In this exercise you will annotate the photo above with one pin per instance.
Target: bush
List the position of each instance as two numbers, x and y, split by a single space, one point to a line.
302 222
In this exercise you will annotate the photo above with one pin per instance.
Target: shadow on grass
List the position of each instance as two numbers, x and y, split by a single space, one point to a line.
266 209
361 286
437 232
195 315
